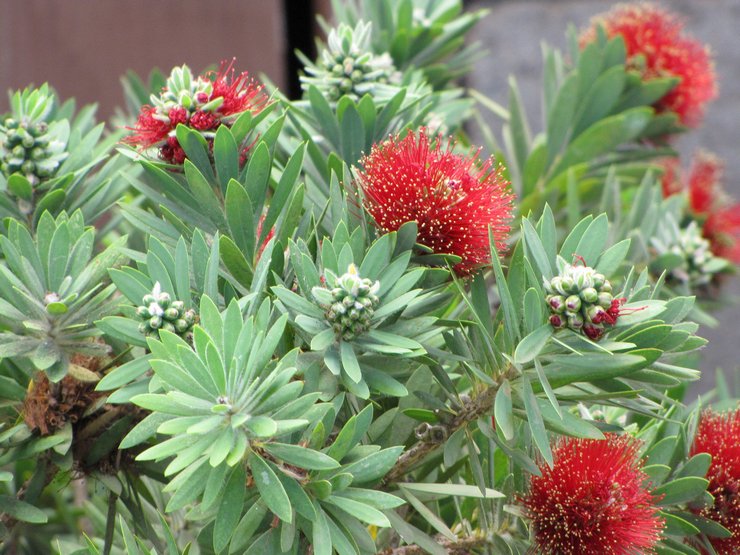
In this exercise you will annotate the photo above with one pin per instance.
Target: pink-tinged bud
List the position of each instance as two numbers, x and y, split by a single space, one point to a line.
575 322
556 321
556 303
592 331
201 97
596 314
573 303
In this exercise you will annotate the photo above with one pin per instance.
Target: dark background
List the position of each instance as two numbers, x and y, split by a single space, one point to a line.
82 47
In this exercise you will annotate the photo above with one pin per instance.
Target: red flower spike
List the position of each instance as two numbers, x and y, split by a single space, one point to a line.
240 93
672 179
156 125
708 201
657 35
719 435
150 130
454 199
593 500
705 177
722 228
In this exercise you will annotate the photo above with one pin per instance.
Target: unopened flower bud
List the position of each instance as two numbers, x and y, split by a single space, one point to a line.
556 321
171 313
593 331
575 322
573 303
595 314
590 295
605 300
155 322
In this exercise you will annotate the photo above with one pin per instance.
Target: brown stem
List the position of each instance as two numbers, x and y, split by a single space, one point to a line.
471 410
456 547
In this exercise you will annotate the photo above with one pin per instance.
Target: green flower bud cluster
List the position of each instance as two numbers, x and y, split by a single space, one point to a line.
581 299
159 311
28 148
354 300
348 67
185 91
699 265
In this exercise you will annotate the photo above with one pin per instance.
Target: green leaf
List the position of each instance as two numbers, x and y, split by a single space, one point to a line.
605 136
230 509
20 186
226 156
536 250
302 457
20 510
261 426
535 421
681 490
270 488
360 511
349 361
374 466
532 344
502 411
460 490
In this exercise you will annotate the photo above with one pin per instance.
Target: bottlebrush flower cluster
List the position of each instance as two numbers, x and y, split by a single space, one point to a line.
581 299
354 301
159 311
203 103
594 499
348 67
29 142
657 46
708 201
453 199
719 435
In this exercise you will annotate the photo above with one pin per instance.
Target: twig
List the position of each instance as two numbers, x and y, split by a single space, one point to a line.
471 410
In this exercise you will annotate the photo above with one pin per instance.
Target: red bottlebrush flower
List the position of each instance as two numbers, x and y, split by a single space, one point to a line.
722 228
452 198
667 51
240 93
593 500
672 179
150 129
213 99
705 177
708 201
719 435
203 121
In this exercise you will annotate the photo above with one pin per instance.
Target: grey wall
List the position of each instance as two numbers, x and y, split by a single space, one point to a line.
512 34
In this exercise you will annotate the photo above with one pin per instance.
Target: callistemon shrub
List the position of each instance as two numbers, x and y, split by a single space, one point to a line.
240 324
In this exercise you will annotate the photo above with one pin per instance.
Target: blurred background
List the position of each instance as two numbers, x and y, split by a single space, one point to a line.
83 47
